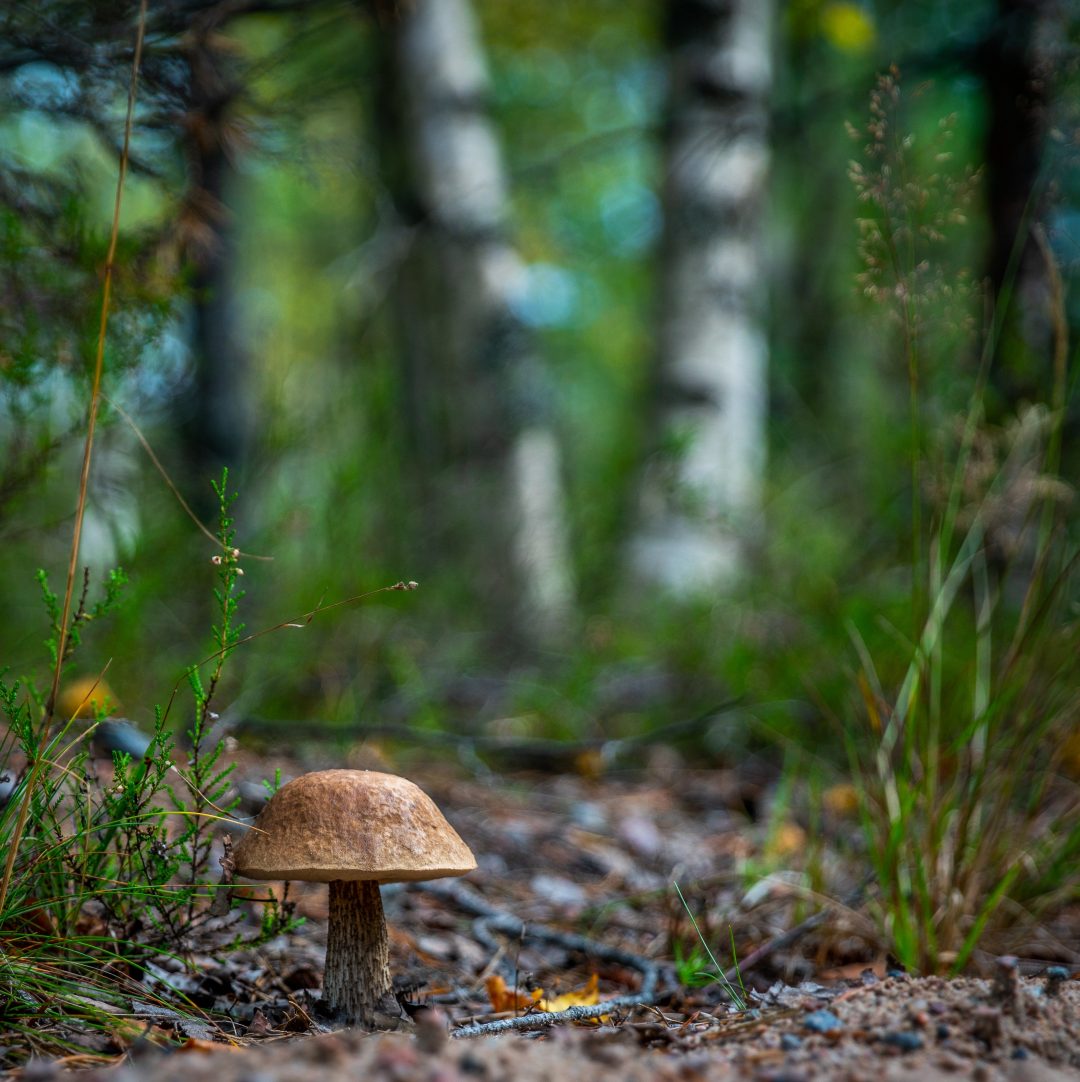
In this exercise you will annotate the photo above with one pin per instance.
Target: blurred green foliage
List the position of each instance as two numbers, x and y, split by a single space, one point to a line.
578 95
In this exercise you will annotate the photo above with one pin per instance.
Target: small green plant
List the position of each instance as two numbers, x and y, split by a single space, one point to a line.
699 966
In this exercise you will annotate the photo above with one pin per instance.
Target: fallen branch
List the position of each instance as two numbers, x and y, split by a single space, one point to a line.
481 751
507 924
544 1019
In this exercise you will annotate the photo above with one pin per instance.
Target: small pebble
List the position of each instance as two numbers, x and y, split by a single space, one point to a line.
822 1022
121 736
469 1064
1056 976
942 1032
1019 1053
904 1040
559 891
789 1042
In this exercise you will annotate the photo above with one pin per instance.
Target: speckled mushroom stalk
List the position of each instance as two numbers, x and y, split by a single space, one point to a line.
357 952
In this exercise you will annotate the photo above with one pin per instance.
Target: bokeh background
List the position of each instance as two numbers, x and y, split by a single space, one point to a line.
579 315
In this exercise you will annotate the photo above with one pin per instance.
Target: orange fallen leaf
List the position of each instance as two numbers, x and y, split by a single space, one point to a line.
504 999
587 996
841 799
786 840
197 1044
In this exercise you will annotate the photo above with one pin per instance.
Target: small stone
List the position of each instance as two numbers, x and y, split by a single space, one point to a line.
643 836
822 1022
1019 1053
789 1042
905 1040
1056 976
560 892
942 1032
121 736
469 1064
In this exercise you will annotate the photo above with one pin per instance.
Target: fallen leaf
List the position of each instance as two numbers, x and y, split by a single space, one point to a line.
197 1044
505 999
587 996
841 799
786 840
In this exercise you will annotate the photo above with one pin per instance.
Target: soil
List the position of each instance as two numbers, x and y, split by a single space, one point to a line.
588 863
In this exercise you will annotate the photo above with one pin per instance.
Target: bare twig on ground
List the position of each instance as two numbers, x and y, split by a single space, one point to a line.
544 1019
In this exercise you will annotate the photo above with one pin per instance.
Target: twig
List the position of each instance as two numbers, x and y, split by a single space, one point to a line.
544 1019
508 924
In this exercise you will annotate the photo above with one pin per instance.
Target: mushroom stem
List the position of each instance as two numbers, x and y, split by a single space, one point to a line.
357 952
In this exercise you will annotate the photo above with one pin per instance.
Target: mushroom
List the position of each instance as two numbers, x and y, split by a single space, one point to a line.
353 829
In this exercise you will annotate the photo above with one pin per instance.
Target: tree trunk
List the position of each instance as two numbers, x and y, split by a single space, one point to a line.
1019 75
700 492
483 413
213 416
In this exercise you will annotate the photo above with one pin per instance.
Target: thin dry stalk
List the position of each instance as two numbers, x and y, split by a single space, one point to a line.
84 476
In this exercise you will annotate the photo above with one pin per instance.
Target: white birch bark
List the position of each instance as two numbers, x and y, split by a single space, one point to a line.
502 414
700 493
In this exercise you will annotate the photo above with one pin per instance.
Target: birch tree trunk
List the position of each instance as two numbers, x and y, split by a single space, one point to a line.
700 493
477 386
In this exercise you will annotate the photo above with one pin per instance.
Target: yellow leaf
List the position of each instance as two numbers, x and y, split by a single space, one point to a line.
505 999
848 27
588 996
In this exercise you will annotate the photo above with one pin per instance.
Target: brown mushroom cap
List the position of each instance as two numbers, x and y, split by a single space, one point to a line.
351 825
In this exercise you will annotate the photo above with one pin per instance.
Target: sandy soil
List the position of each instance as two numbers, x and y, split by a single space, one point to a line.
593 861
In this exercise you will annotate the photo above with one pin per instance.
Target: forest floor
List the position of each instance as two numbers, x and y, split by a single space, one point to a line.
588 865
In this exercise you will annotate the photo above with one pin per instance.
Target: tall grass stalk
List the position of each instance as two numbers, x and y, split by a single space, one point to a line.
717 975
